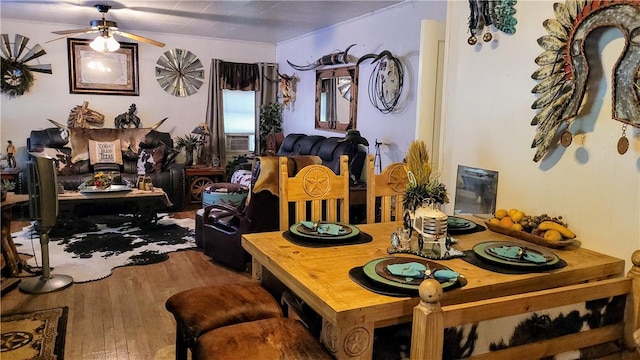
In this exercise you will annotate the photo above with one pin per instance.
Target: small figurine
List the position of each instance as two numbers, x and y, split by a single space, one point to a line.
82 116
125 120
395 241
11 154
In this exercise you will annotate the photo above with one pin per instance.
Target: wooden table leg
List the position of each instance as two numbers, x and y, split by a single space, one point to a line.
349 340
256 270
9 250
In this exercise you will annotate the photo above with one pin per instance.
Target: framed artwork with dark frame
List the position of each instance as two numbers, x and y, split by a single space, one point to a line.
93 72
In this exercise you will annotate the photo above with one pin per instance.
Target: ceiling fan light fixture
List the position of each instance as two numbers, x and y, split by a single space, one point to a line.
105 43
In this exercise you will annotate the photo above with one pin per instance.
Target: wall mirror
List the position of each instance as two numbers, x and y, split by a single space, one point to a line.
336 98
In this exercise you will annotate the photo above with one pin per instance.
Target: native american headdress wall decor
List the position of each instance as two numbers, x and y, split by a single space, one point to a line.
564 69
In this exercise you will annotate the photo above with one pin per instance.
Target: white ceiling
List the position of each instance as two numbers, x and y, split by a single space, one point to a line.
248 20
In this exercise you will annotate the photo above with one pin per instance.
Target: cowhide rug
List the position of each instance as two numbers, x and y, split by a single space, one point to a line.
107 242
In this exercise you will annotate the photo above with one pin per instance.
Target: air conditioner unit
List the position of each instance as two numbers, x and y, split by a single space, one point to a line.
239 143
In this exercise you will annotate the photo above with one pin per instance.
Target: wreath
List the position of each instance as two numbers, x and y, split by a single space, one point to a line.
16 77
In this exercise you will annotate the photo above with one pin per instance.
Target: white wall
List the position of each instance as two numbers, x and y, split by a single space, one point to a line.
396 29
49 97
487 115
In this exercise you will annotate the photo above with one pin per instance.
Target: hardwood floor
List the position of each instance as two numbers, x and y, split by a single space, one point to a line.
123 316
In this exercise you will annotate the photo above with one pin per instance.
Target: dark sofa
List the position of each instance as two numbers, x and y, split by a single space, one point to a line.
328 149
168 175
223 228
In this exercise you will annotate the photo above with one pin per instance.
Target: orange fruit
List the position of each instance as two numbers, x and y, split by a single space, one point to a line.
516 227
506 222
495 221
517 216
512 211
500 213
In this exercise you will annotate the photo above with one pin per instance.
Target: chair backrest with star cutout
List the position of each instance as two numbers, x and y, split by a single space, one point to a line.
385 192
315 194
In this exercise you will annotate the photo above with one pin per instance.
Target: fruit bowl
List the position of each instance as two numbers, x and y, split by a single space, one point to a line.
522 235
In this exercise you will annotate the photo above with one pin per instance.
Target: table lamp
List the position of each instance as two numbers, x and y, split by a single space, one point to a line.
202 130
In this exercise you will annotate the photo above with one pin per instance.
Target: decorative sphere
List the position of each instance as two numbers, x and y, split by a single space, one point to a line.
472 40
487 37
430 291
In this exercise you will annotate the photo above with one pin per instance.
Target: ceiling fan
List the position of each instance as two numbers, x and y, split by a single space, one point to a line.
106 29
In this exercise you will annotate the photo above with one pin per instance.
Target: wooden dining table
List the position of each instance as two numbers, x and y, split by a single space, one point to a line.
319 276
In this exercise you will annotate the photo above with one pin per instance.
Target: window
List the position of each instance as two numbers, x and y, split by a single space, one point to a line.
239 121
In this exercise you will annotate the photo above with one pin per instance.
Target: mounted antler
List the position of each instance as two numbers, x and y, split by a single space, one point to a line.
341 57
287 87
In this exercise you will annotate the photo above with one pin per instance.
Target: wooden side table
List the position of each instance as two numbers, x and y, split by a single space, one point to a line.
200 177
10 174
9 251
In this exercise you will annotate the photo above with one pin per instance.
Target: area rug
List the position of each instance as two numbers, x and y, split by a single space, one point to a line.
108 242
34 335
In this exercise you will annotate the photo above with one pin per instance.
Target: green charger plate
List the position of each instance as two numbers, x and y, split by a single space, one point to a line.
298 230
484 251
457 223
370 271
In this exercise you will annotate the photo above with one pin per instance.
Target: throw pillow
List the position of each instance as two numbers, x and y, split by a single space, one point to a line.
150 161
101 152
62 157
79 139
242 177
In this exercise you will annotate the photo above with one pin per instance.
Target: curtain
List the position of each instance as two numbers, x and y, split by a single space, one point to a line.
215 120
267 94
237 76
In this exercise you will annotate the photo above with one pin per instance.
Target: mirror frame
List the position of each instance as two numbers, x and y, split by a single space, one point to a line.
351 71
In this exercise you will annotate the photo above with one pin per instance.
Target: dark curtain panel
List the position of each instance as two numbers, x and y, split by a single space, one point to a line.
239 76
216 147
268 94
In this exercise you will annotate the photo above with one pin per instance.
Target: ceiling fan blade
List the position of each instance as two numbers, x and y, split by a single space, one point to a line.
89 31
74 31
139 38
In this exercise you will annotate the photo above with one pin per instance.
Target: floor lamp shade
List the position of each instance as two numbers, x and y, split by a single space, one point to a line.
43 191
43 208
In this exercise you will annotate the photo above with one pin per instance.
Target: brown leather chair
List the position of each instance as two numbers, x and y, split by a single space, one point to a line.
268 339
206 308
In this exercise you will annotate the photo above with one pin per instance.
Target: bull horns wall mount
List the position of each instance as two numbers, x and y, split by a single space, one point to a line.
336 58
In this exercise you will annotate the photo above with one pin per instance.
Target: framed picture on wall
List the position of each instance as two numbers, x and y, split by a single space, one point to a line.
111 73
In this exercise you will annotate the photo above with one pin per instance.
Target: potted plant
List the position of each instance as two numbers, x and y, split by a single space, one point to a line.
189 143
5 187
424 182
270 122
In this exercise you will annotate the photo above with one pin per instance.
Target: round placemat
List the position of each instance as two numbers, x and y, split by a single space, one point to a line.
484 251
381 269
352 232
358 276
370 271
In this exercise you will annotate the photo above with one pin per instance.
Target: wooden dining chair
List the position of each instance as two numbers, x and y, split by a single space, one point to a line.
315 193
597 316
385 192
